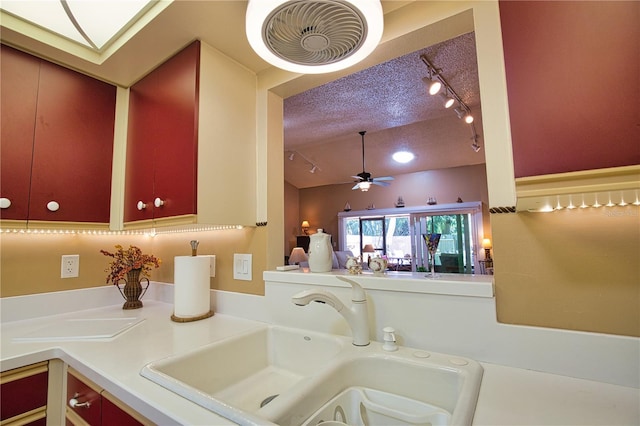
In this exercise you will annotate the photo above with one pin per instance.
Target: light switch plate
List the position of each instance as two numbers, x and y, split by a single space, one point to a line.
242 267
212 265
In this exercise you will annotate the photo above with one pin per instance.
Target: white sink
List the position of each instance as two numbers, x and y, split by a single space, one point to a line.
408 387
285 376
240 374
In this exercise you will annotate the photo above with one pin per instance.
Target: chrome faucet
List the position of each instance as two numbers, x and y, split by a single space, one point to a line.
356 315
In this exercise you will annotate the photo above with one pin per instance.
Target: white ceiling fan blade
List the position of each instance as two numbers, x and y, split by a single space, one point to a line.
383 178
380 183
357 177
356 186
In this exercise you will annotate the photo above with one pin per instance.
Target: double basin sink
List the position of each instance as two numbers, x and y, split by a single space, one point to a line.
287 376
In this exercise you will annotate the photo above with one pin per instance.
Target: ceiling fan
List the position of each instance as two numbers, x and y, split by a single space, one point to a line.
364 179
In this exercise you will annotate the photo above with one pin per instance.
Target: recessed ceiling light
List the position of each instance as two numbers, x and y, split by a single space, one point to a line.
403 156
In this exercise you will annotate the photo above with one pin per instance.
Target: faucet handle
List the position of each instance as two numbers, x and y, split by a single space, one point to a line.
357 293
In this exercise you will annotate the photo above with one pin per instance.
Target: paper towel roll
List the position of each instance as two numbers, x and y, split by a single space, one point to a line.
191 287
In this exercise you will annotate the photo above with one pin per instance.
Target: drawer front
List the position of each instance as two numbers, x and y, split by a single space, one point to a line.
89 401
114 415
23 391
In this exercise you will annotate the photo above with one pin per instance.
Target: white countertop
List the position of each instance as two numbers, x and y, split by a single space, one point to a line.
508 396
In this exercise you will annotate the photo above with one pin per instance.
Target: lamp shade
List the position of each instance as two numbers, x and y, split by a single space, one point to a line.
297 255
486 243
368 248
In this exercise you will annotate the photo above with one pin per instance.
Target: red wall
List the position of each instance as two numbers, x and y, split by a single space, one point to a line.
573 79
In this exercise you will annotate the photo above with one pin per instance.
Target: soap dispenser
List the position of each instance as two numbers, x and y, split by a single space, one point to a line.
389 340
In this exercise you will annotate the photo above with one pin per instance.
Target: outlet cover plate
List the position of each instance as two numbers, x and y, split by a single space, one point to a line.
70 266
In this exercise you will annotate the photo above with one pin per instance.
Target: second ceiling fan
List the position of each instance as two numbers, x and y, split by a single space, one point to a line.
364 179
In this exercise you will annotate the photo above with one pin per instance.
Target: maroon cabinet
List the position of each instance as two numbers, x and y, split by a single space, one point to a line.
94 406
58 139
162 140
83 399
19 75
112 414
573 84
24 391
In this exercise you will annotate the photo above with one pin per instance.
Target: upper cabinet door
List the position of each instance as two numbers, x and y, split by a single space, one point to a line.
57 141
19 75
73 150
573 84
162 140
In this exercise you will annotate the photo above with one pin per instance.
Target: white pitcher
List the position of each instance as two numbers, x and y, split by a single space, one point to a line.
320 252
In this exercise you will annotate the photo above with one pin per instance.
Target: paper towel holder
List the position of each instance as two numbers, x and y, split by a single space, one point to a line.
184 308
190 319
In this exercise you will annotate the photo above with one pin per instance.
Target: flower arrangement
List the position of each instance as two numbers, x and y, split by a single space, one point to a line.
128 260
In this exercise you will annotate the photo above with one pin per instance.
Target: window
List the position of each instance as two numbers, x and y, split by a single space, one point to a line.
399 237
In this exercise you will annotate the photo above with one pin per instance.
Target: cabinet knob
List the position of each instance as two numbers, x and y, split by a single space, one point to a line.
141 205
73 402
158 202
5 203
53 206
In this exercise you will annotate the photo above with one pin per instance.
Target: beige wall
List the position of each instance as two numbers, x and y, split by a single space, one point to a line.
30 263
292 219
574 269
320 205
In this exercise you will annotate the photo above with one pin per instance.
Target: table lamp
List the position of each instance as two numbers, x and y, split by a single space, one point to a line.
297 255
486 245
305 227
368 248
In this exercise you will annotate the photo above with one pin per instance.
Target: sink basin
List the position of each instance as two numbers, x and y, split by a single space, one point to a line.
285 376
237 376
409 387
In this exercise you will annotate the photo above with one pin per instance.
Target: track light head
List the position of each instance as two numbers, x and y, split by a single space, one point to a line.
434 87
475 147
468 118
448 100
313 169
433 84
291 156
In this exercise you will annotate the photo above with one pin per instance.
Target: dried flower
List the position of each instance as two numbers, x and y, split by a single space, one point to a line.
128 260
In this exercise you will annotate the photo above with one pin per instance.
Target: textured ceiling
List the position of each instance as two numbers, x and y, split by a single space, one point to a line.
390 102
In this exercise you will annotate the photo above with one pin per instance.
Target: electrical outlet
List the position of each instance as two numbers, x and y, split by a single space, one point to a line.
70 266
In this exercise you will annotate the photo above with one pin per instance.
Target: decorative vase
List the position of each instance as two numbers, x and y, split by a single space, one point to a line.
320 252
132 290
378 265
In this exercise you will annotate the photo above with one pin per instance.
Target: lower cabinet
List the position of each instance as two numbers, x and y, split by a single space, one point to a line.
23 395
89 404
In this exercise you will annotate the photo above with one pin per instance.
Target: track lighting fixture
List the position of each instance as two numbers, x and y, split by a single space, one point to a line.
462 110
448 100
434 85
293 154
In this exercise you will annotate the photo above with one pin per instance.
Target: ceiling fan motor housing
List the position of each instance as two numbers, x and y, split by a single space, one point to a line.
314 36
